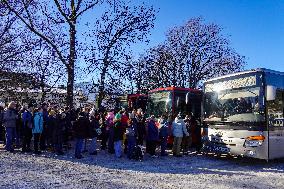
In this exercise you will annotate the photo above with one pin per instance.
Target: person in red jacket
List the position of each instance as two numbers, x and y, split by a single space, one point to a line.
124 125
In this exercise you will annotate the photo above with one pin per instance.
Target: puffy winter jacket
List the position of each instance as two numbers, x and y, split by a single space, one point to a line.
179 128
38 123
9 118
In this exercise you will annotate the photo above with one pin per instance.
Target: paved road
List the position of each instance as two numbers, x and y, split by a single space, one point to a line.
105 171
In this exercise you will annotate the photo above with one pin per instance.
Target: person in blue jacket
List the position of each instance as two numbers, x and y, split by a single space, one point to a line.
152 136
37 128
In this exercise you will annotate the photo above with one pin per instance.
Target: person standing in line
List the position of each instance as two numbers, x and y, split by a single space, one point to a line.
131 134
163 134
44 133
179 130
57 125
2 129
118 135
27 119
109 131
19 136
9 122
124 124
37 128
187 140
86 112
152 136
81 129
94 128
141 130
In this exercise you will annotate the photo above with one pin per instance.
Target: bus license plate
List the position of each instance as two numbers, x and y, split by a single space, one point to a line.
216 149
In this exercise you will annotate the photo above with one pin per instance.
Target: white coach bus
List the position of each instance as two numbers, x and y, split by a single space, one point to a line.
243 114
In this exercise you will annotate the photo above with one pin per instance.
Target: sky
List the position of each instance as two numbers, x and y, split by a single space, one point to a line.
254 27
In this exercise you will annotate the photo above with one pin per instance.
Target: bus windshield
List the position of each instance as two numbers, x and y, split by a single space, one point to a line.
187 103
159 102
235 105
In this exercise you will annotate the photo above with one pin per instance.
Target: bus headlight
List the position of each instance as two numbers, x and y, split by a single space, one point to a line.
254 141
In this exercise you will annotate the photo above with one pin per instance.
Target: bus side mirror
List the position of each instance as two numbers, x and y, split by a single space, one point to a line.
270 93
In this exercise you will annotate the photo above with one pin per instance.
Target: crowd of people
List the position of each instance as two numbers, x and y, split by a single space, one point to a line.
119 131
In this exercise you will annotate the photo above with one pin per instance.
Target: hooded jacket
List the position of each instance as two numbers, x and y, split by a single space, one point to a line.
38 122
179 128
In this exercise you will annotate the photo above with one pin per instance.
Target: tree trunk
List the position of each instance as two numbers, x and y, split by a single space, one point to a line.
71 64
102 86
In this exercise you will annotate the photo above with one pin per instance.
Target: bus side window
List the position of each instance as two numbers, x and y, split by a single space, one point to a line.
276 110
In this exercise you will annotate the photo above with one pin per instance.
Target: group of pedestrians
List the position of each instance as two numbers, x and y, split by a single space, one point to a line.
119 131
48 126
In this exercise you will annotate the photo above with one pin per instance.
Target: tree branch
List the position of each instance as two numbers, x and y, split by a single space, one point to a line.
87 8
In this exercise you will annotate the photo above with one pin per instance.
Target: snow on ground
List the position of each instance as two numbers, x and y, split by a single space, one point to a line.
22 171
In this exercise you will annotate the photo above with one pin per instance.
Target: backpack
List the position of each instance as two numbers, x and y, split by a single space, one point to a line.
137 153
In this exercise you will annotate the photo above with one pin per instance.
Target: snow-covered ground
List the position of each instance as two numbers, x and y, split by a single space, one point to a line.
105 171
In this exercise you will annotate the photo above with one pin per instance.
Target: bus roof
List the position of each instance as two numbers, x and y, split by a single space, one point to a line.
136 95
174 89
246 72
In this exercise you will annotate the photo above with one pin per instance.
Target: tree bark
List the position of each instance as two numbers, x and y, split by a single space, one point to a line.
102 85
71 64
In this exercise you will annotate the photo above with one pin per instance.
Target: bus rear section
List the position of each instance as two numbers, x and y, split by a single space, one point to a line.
171 101
238 112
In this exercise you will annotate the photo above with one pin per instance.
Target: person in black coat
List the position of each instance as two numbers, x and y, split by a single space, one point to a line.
81 128
94 131
55 122
2 129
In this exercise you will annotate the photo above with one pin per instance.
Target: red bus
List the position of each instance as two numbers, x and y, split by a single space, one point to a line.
136 101
173 100
133 101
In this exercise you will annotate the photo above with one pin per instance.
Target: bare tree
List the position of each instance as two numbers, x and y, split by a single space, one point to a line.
44 67
53 16
117 29
191 54
11 44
